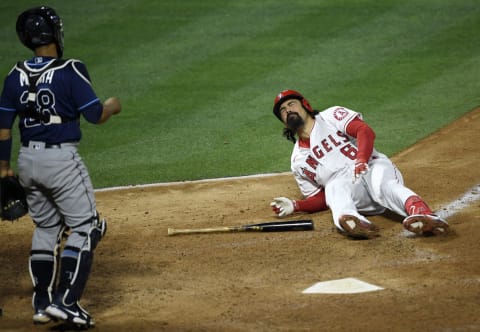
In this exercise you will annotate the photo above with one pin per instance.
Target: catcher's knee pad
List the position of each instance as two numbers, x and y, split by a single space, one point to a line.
88 234
96 232
46 240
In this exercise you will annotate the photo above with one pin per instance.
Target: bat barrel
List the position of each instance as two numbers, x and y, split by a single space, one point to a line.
276 226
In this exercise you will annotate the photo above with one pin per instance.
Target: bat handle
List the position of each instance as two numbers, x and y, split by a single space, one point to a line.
173 231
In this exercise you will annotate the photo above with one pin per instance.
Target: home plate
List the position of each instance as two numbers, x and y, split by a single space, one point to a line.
341 286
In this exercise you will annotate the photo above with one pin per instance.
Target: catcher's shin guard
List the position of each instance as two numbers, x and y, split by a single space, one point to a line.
76 264
43 277
43 270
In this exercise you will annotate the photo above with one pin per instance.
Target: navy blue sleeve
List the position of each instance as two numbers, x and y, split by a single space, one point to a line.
7 107
84 97
92 113
6 119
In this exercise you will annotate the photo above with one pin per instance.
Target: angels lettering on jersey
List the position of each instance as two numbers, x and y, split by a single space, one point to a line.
329 153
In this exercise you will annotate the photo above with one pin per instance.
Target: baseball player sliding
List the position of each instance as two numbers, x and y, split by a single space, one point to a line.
336 166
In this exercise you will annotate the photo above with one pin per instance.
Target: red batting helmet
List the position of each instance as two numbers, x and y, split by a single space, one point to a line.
289 94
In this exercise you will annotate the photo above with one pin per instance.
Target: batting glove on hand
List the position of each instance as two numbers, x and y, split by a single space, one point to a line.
361 168
283 206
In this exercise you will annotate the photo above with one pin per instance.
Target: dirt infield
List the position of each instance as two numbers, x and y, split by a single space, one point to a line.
144 280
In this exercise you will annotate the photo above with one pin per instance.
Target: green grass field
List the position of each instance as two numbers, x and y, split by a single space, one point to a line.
198 78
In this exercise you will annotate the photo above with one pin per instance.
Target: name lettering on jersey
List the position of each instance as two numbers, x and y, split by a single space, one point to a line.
330 143
47 77
23 79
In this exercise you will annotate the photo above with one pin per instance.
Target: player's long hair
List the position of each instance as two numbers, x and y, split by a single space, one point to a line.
290 134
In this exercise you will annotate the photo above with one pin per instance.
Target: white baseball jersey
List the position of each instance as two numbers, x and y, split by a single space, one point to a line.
332 152
328 164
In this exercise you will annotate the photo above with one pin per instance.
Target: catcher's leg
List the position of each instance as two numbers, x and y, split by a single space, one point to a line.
75 269
43 264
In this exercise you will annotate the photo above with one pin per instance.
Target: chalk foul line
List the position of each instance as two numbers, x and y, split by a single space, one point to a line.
444 212
461 203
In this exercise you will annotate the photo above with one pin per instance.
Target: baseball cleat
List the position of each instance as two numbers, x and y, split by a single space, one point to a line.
74 314
356 228
41 317
40 302
426 224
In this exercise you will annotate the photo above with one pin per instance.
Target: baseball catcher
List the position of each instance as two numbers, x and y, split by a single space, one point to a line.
49 95
13 199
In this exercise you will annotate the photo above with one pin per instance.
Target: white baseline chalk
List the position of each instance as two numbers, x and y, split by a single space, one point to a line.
464 201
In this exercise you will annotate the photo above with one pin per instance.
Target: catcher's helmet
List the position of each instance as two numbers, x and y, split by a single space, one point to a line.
289 94
40 26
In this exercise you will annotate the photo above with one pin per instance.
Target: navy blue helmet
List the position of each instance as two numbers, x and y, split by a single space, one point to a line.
40 26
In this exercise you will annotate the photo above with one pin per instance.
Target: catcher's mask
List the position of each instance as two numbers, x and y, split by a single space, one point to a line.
290 94
40 26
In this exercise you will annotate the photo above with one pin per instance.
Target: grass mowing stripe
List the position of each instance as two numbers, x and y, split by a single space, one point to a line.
394 74
197 79
171 53
200 117
450 84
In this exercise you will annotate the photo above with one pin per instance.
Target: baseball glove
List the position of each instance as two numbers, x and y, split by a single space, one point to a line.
13 199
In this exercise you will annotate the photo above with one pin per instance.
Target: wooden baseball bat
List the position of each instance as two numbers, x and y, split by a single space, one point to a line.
275 226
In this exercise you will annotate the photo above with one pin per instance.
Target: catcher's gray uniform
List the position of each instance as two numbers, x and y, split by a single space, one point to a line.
49 95
69 197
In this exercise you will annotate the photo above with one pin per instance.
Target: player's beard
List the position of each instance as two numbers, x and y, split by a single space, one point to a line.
294 122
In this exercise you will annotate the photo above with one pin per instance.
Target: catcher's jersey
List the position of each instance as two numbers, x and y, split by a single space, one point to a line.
63 90
331 152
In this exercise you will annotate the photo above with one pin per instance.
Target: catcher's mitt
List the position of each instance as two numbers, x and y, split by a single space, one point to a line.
13 199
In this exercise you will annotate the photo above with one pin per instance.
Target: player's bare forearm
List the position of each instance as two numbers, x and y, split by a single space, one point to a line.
111 106
5 134
5 169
